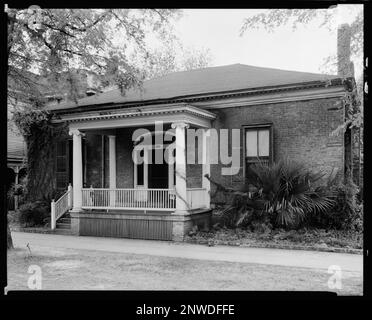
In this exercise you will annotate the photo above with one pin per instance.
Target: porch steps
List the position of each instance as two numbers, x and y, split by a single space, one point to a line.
64 223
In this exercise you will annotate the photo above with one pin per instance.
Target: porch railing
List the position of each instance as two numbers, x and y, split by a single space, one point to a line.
60 207
196 198
138 199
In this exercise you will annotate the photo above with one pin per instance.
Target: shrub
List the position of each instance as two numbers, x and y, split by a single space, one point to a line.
34 213
289 192
242 211
288 195
347 213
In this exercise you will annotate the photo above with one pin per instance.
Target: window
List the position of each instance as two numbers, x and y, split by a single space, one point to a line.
62 165
258 145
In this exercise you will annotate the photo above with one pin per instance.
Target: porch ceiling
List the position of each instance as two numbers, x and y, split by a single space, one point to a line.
140 116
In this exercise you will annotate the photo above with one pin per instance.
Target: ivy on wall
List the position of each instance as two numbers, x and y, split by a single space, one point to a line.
40 136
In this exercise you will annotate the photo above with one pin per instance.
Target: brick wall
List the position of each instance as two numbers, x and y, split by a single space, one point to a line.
301 132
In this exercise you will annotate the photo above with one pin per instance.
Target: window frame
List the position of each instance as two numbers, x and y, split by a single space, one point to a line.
65 158
257 127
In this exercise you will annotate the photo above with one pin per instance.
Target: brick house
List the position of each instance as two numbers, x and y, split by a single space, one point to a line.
277 113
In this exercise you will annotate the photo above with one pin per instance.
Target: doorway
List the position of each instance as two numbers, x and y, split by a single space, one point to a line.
158 173
153 175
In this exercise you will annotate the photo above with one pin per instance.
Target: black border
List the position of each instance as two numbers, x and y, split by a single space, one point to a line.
135 298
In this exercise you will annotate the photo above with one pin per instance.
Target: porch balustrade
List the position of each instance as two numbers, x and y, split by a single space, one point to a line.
140 199
60 207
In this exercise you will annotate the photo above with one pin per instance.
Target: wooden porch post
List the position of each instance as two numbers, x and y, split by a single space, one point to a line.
206 184
77 168
112 168
181 187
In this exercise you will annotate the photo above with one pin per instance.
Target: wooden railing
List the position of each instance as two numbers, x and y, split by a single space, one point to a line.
137 199
196 198
60 207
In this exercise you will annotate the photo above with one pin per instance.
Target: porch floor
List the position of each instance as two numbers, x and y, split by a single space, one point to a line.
128 211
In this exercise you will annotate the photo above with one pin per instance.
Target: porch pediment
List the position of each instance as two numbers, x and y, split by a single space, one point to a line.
139 116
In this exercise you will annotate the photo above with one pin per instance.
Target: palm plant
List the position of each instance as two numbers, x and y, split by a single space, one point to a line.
289 191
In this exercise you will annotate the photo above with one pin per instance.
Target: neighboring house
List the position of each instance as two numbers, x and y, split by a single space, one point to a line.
278 113
16 157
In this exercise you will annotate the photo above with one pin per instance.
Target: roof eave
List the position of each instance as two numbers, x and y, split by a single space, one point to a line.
204 96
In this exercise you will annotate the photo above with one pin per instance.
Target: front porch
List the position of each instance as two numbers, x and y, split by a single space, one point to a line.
147 200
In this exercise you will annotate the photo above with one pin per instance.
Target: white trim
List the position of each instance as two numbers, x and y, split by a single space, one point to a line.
290 96
140 121
206 167
162 112
130 208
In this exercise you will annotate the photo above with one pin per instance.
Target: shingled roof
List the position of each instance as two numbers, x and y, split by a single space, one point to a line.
200 81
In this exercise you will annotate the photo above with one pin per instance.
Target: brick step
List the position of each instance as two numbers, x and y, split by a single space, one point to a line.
64 220
63 225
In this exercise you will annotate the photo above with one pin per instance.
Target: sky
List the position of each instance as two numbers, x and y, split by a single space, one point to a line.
218 30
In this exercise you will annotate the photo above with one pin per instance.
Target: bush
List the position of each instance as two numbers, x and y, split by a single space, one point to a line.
34 213
289 192
288 195
347 213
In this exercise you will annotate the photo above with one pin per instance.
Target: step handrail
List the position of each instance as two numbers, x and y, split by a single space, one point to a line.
60 207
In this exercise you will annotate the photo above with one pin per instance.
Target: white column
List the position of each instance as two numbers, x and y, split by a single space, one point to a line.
180 188
206 184
16 182
77 168
53 215
112 168
69 197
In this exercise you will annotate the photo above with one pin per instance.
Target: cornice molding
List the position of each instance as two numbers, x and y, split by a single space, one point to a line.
290 96
136 112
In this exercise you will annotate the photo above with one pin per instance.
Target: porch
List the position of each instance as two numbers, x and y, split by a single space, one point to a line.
149 197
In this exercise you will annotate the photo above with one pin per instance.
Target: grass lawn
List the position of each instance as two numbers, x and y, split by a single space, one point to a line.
67 269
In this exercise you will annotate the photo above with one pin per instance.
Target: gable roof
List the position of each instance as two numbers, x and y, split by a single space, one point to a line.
200 81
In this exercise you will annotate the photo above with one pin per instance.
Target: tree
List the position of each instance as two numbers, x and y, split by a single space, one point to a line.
52 44
326 18
57 41
174 57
